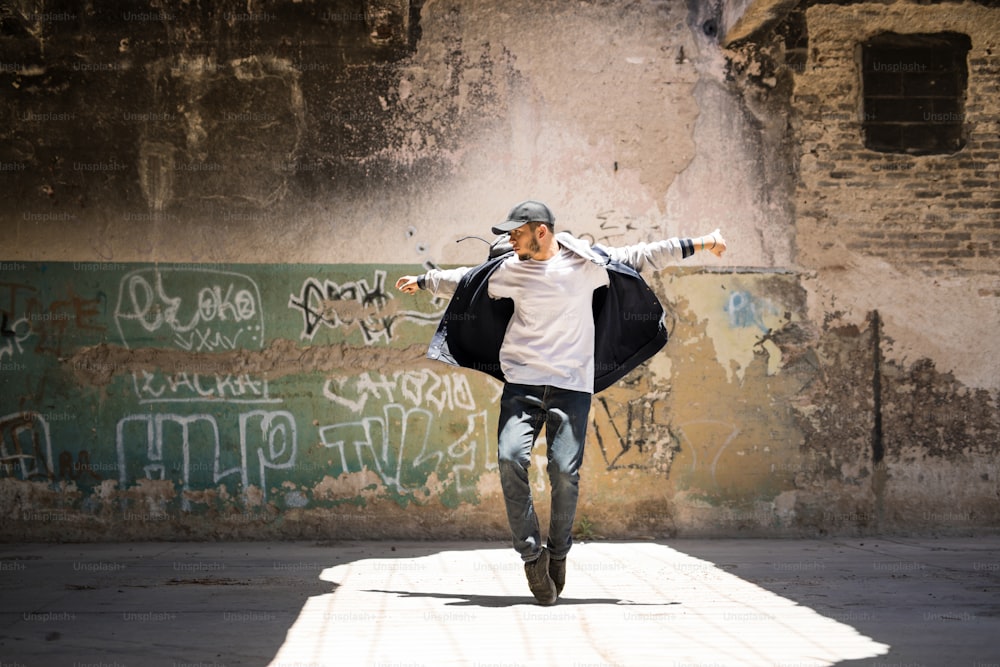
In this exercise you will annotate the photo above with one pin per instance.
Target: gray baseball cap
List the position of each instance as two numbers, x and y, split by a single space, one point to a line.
526 211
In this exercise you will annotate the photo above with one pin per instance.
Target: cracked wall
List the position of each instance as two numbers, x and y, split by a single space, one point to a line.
205 206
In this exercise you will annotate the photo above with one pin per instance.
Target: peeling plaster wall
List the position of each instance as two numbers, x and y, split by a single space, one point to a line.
204 205
902 254
926 226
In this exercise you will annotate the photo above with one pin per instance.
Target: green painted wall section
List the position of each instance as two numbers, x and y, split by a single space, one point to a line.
237 379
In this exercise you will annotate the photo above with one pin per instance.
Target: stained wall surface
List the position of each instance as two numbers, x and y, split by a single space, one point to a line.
907 243
205 208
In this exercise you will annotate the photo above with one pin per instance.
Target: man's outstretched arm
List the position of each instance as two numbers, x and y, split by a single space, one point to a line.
659 254
442 282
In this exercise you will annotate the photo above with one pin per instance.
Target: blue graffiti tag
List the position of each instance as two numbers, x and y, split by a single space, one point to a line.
746 311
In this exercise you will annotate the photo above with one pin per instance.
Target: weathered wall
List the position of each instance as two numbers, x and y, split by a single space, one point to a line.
294 400
208 401
904 248
203 207
195 137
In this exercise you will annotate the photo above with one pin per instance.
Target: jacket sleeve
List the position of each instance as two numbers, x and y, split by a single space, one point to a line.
656 255
443 282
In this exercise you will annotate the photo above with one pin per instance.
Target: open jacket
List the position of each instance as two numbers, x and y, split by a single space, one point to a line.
628 318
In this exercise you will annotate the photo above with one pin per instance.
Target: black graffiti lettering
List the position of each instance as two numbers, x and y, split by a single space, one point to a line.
351 303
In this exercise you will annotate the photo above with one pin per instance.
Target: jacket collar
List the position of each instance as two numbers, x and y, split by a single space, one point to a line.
581 248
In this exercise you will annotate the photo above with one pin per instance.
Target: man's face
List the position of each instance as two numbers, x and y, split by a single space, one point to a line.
524 240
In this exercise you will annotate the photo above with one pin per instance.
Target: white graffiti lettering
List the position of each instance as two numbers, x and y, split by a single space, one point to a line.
397 446
421 388
210 317
154 443
25 445
14 334
156 387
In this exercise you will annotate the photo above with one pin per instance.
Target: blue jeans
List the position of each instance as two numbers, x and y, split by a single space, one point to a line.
524 409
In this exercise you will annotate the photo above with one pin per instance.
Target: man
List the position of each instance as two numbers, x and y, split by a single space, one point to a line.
556 320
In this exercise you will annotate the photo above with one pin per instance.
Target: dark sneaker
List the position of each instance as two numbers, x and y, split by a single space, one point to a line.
539 581
557 570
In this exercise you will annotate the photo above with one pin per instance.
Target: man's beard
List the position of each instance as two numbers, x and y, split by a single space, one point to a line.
533 247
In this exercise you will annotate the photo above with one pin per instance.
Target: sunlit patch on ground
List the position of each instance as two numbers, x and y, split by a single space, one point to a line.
624 604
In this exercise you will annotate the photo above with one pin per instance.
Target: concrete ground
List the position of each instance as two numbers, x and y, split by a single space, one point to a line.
680 603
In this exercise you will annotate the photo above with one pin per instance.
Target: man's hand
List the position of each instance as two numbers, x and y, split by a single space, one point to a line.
408 284
716 244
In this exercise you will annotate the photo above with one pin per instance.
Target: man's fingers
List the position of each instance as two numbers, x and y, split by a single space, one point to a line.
407 284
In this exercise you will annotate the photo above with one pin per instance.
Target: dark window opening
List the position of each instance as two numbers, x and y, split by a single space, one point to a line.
913 90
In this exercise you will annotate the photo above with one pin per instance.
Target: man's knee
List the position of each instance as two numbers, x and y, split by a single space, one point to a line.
563 472
512 457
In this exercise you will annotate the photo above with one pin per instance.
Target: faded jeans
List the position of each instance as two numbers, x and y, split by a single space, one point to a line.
524 409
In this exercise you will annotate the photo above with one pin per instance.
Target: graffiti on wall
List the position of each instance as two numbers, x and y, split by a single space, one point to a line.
25 446
368 307
150 446
199 311
192 387
393 437
197 422
395 418
193 310
630 427
200 424
746 310
27 316
397 445
419 388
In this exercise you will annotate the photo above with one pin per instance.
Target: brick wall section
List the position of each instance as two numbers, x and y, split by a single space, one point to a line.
938 213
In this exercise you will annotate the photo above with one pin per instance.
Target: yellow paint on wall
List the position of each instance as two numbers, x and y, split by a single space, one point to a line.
738 312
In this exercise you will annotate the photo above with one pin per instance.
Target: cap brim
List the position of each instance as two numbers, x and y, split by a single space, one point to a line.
507 226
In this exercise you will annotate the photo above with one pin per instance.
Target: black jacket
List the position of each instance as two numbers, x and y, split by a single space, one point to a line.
628 323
